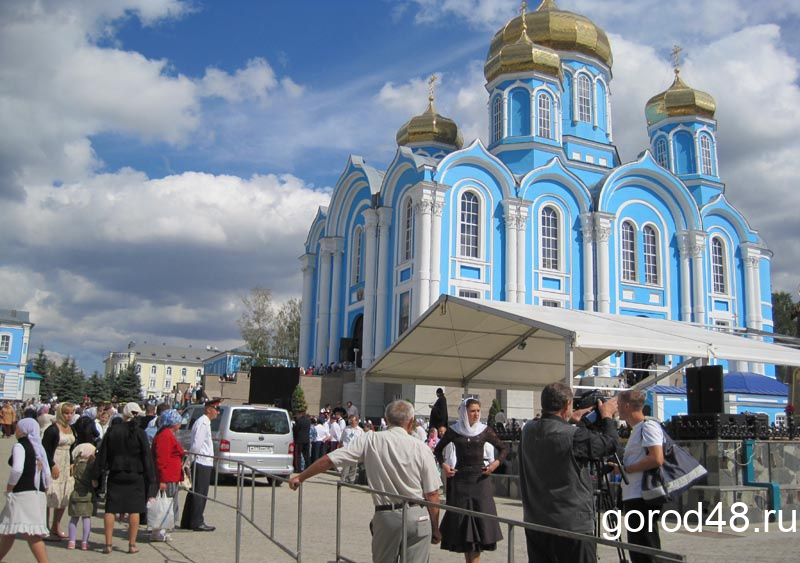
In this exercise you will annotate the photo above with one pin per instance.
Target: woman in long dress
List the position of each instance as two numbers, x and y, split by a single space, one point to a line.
57 442
25 509
468 484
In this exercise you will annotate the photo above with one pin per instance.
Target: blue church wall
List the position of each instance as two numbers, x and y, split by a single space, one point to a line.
683 148
519 116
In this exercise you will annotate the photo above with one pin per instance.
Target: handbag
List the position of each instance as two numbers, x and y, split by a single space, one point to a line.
185 484
159 512
679 472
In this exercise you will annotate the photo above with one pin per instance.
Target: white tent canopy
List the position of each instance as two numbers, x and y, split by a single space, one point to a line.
492 344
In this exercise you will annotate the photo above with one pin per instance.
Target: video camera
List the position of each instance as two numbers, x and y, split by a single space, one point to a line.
587 400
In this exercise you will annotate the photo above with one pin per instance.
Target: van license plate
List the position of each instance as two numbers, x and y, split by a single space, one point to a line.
260 449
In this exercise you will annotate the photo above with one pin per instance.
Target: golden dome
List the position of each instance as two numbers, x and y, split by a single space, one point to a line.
679 100
552 28
430 127
521 56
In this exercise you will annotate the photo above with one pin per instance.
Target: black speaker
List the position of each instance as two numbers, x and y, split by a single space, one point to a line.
273 385
704 391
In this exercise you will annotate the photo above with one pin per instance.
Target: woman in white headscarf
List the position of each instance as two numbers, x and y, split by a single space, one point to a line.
25 511
468 484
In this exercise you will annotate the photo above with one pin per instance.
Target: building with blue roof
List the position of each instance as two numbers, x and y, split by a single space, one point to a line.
15 334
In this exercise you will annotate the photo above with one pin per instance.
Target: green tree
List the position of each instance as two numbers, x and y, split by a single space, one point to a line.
287 331
493 410
782 309
299 400
97 388
257 324
69 383
47 369
126 385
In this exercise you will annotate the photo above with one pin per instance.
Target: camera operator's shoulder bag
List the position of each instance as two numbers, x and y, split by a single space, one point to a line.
679 472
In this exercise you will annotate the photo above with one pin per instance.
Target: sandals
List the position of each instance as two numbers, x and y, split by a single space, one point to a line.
132 548
108 548
70 545
84 545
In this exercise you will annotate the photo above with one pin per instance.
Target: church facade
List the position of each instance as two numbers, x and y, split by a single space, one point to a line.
546 214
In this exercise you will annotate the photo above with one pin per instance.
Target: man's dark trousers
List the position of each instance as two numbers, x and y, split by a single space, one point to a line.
195 504
549 548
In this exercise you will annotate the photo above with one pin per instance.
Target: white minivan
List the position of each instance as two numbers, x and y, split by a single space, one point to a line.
258 436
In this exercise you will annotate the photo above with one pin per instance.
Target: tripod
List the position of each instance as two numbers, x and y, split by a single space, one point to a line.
604 499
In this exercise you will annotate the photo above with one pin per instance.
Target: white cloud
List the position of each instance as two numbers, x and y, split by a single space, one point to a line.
253 82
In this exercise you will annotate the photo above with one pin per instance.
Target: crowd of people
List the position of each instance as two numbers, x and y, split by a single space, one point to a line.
69 459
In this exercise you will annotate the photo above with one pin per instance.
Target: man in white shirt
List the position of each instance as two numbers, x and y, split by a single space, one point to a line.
336 428
352 410
202 446
500 419
395 463
350 433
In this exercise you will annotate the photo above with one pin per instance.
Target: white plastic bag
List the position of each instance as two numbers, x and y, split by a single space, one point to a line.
159 512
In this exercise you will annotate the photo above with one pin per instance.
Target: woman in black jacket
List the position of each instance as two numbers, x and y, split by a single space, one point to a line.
125 455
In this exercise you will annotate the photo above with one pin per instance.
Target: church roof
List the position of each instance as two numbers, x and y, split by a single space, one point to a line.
679 100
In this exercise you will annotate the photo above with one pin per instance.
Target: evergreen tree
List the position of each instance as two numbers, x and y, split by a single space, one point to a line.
69 382
493 410
126 385
47 368
97 388
299 400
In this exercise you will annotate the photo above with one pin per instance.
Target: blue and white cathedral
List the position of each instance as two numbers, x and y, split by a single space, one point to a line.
546 214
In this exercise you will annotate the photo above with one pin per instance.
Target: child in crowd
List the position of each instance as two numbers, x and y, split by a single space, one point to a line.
81 501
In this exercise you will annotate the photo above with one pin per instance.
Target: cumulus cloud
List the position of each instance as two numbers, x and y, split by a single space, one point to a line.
253 82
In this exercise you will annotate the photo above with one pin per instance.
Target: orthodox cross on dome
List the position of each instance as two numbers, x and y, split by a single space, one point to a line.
523 7
431 80
676 58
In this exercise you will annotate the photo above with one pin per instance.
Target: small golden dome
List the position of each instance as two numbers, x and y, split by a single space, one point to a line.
679 100
549 27
522 55
430 127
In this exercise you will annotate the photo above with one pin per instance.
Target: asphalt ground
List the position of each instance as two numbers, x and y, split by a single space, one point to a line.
319 532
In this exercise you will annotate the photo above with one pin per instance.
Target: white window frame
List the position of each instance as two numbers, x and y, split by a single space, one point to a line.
497 119
719 266
199 372
358 246
408 231
167 383
469 243
627 248
169 370
153 383
544 114
550 238
469 293
551 303
153 370
583 87
403 315
662 152
6 341
650 255
706 162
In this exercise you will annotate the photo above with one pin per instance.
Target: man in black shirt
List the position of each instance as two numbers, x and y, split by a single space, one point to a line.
302 442
554 474
438 416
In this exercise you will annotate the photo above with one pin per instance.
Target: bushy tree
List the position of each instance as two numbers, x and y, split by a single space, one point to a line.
69 383
287 331
782 309
299 400
97 388
257 324
126 385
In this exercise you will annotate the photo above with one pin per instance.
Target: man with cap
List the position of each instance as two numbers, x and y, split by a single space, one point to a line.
438 411
203 449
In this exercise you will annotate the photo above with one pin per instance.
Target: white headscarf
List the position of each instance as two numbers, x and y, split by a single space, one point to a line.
31 429
462 426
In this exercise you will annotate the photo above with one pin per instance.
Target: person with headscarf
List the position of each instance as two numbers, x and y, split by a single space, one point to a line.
125 455
81 502
57 441
433 438
25 511
468 484
168 456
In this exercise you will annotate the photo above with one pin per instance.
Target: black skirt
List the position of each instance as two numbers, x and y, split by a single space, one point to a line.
125 493
471 490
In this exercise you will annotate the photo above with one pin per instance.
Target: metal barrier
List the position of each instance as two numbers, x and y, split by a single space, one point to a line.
663 556
244 471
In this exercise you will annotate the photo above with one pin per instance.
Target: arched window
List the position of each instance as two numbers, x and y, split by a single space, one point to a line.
549 238
662 157
584 99
153 370
628 252
199 372
497 119
408 230
718 273
650 251
543 129
138 369
169 371
706 166
355 275
470 225
519 119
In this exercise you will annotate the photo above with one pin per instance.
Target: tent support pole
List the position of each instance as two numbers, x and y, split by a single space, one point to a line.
568 359
363 404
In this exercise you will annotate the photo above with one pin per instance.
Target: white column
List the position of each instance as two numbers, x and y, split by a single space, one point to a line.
336 300
323 301
697 250
587 230
422 255
522 264
510 212
602 231
309 265
383 273
436 246
686 278
753 316
368 335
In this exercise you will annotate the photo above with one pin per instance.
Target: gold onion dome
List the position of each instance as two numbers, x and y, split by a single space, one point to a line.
430 127
548 29
679 100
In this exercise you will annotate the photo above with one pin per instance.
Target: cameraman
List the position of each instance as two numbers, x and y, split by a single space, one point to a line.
554 474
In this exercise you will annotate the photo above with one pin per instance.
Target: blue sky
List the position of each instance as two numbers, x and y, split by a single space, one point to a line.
159 158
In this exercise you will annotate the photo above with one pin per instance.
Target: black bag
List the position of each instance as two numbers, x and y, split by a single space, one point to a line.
679 472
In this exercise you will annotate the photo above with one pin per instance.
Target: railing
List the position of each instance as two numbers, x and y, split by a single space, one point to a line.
512 524
245 471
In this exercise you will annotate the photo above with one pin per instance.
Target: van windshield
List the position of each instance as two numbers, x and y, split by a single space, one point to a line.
255 421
